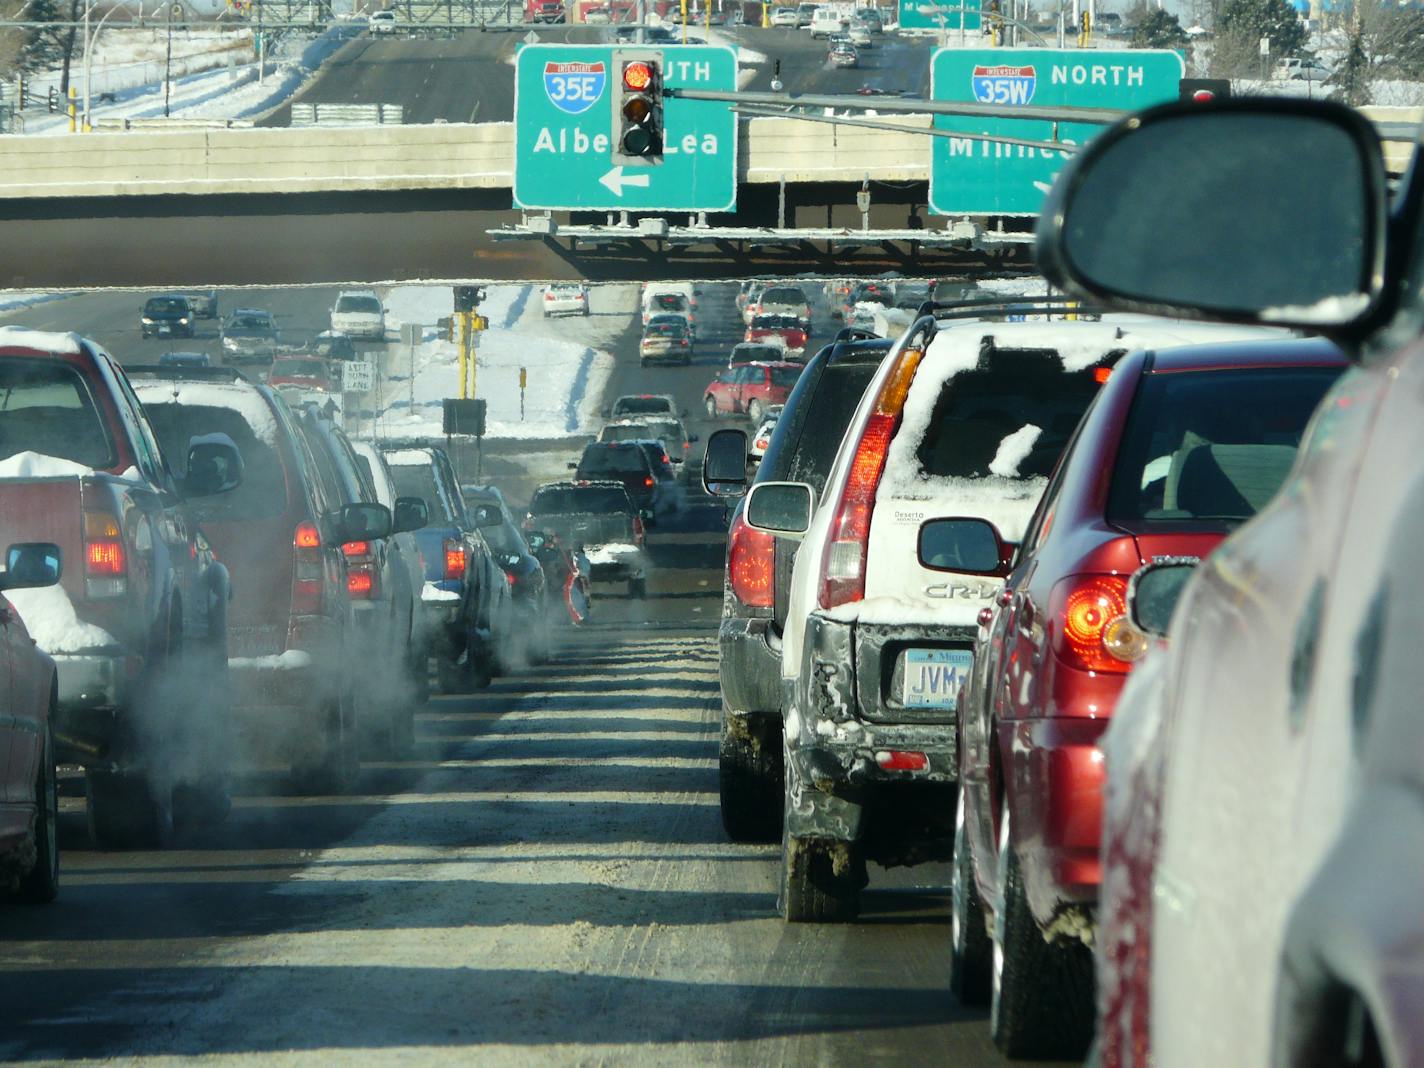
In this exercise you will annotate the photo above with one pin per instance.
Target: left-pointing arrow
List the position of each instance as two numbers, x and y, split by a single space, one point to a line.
615 180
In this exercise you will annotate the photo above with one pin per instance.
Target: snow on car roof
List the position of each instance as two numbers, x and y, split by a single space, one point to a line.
409 457
239 397
41 340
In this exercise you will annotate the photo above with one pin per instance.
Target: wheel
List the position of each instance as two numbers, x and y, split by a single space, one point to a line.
970 951
750 782
126 811
711 406
41 884
820 880
333 767
450 675
754 412
638 588
1041 1003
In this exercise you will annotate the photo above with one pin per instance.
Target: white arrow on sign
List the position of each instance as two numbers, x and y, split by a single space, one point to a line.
615 180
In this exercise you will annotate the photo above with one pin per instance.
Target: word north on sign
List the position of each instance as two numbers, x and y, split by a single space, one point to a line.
567 153
976 177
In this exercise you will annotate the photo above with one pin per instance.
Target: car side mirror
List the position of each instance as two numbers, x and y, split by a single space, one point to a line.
363 521
536 540
693 439
214 466
780 508
1249 241
411 513
1154 590
967 546
29 565
724 463
485 516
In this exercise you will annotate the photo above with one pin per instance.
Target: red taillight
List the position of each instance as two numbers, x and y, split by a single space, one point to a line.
454 559
361 583
307 537
1083 606
356 548
751 562
308 571
843 563
105 559
638 530
647 481
901 760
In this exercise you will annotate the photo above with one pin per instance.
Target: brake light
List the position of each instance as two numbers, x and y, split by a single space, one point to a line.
647 481
1085 607
308 583
751 560
454 558
361 583
105 559
843 562
637 530
354 549
901 760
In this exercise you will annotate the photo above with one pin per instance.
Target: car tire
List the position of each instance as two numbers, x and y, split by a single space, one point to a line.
710 403
750 780
638 588
451 676
1041 1002
41 883
333 768
754 411
971 953
812 889
126 811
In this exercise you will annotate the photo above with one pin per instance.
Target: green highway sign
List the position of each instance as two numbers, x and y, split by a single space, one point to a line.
940 15
970 177
571 141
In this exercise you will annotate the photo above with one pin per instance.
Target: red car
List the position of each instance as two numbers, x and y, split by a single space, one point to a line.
750 389
1180 448
793 332
29 799
303 372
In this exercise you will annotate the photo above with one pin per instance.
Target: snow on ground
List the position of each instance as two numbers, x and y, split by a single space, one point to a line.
567 361
18 299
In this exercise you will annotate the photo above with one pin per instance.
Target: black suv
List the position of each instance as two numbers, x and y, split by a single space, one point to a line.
758 581
168 316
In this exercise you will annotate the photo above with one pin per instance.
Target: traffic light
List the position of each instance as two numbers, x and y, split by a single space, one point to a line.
467 298
638 108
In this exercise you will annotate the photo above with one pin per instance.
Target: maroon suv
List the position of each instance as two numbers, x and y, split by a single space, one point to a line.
750 388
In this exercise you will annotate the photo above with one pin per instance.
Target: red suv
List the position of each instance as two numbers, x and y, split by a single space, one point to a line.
1179 448
750 389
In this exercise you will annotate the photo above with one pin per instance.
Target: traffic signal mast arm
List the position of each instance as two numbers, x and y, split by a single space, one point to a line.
1094 116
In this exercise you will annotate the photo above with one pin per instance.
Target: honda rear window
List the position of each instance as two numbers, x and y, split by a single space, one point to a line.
785 376
262 493
783 296
625 433
1212 445
46 407
1011 417
569 500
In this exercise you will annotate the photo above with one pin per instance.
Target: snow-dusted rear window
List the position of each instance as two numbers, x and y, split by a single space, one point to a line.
263 491
418 480
46 407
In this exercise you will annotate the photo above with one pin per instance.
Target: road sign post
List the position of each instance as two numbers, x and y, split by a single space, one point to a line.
565 137
969 177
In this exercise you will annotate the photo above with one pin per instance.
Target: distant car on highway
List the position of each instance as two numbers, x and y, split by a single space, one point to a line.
843 54
860 35
666 341
565 298
804 12
636 404
660 303
185 359
785 16
168 316
770 349
597 16
793 332
204 303
382 22
332 345
750 389
826 20
870 18
358 313
547 11
600 519
761 436
250 335
528 640
626 462
304 372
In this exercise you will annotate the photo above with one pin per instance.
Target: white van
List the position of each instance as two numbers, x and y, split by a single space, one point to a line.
358 313
826 21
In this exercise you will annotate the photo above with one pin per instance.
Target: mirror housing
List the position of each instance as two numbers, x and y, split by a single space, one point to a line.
724 463
29 565
214 466
963 544
363 521
485 516
411 513
536 540
780 508
1184 210
1154 590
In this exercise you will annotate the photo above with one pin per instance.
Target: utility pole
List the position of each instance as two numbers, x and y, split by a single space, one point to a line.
168 63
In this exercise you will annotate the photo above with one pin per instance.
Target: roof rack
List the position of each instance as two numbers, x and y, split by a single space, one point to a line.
977 307
186 374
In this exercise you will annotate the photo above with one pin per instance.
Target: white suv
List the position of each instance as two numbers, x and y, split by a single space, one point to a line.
358 313
964 420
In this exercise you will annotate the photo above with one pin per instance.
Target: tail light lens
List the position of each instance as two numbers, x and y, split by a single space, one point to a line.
1085 607
751 564
454 558
105 557
361 582
638 530
647 481
843 562
308 580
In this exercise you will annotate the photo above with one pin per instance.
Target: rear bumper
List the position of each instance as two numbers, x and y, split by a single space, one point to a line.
750 668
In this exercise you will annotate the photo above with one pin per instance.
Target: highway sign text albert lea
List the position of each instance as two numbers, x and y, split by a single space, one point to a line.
991 178
564 131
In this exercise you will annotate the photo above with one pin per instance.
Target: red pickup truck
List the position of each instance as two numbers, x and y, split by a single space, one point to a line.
137 625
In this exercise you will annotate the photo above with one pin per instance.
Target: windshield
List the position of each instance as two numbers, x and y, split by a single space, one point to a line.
249 324
166 306
1212 445
46 407
359 305
639 405
624 433
414 480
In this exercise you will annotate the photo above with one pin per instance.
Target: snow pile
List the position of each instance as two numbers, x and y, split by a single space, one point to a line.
38 465
39 340
51 620
1013 450
288 661
566 360
433 594
242 399
17 299
610 554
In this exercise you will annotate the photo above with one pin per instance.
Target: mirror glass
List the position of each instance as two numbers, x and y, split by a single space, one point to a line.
536 540
412 513
214 466
32 564
1154 594
967 545
361 522
724 465
485 516
780 506
1197 210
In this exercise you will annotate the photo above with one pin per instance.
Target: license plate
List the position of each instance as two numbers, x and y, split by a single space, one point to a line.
933 677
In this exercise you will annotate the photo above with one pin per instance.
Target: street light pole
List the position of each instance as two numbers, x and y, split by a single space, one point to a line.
89 43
